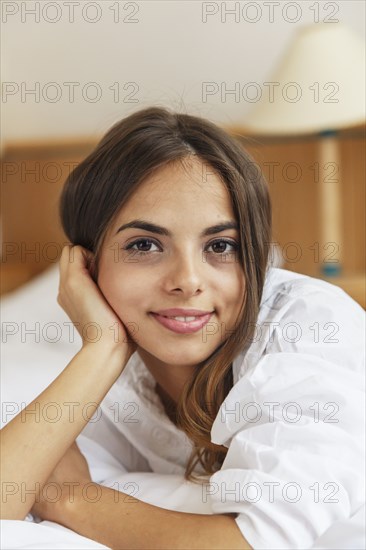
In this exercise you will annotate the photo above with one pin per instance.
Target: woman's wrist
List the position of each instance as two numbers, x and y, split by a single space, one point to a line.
74 497
116 356
58 508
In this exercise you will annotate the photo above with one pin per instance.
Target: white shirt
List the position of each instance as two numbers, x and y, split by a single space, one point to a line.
293 422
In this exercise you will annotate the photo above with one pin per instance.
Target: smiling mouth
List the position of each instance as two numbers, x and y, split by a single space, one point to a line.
183 324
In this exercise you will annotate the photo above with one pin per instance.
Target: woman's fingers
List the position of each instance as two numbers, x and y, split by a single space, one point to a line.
75 257
74 269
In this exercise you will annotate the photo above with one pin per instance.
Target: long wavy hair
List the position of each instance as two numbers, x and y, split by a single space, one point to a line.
100 185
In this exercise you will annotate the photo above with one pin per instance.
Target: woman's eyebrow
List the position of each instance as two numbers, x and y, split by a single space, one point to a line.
153 228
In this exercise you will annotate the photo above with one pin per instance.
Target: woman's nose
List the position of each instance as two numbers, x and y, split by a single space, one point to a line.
185 274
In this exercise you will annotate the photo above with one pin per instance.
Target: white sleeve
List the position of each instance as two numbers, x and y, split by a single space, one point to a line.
294 426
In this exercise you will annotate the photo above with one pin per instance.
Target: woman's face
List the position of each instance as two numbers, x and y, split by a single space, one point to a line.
184 261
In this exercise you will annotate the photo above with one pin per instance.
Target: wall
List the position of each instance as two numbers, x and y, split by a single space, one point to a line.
146 52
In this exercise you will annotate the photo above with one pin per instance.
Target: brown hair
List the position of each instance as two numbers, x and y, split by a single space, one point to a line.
99 186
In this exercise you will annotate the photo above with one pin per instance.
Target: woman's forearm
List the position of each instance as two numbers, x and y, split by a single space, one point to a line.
120 522
36 439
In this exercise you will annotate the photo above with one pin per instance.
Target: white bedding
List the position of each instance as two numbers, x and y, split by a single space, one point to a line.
30 361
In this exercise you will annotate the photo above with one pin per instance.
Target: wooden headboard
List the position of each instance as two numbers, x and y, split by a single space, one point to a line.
32 179
33 176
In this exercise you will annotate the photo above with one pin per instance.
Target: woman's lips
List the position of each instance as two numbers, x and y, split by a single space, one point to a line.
183 327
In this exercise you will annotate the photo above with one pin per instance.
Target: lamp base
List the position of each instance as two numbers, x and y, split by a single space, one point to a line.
331 270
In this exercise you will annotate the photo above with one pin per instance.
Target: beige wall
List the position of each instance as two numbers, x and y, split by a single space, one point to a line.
163 57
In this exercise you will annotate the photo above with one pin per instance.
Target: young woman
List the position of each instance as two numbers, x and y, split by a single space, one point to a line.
250 374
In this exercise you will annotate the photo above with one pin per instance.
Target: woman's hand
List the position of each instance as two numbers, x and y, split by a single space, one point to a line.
85 304
70 473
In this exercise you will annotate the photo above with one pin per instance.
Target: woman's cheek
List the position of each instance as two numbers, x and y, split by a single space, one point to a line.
232 291
124 295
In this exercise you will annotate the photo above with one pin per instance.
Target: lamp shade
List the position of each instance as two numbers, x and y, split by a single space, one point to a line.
318 86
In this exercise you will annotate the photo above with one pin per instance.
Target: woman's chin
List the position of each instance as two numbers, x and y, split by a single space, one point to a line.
175 357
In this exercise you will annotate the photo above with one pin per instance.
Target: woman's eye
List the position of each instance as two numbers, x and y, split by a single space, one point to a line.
220 247
224 247
141 246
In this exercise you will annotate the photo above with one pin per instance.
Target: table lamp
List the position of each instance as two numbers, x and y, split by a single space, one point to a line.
318 87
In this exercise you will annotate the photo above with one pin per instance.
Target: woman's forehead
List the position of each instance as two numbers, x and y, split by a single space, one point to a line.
179 189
